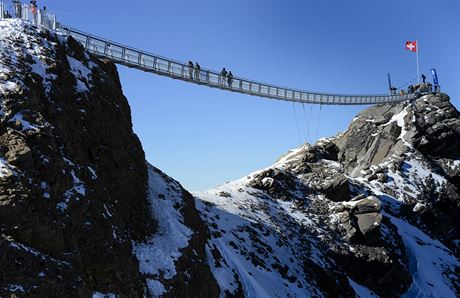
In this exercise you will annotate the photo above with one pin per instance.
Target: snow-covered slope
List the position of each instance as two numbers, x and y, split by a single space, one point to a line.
173 260
291 230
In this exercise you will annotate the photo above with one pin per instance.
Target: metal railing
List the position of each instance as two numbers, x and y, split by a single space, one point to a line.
30 13
138 59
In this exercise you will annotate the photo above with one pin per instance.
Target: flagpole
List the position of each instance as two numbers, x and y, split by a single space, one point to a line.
418 69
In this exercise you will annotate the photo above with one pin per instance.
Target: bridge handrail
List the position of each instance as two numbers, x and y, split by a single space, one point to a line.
111 42
179 70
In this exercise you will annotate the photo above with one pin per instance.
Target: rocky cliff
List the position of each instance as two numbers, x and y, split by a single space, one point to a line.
370 212
75 196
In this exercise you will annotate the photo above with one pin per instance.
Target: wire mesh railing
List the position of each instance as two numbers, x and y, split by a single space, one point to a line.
134 58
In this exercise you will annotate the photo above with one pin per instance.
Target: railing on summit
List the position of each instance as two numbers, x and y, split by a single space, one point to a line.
30 13
38 17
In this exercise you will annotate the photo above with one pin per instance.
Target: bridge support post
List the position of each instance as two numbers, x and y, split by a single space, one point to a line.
106 47
88 41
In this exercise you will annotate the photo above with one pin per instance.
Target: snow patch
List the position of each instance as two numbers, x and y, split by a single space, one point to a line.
361 291
157 256
19 117
156 288
103 295
432 265
5 168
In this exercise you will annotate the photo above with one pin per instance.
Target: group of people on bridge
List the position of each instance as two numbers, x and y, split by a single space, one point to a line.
226 77
194 72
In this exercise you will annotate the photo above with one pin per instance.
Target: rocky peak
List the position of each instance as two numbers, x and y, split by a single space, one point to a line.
371 203
73 177
429 125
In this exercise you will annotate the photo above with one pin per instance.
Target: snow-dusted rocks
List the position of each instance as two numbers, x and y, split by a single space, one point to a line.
301 207
72 193
361 218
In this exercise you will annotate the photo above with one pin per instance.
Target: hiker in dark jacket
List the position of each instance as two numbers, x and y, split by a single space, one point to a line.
197 71
423 78
190 69
223 76
230 79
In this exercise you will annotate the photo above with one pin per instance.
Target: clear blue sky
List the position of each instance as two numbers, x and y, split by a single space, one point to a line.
204 137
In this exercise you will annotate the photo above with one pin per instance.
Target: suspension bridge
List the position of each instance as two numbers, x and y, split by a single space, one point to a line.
148 62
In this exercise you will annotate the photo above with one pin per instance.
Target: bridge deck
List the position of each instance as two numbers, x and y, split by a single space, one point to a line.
138 59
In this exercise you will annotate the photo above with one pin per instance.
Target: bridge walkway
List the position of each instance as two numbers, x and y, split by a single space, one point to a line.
148 62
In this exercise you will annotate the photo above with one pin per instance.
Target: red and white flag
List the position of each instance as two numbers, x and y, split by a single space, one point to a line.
411 46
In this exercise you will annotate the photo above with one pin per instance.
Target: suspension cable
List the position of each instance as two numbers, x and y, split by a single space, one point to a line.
306 123
309 122
297 123
319 120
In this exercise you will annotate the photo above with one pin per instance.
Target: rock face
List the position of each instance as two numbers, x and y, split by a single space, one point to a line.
415 161
74 204
72 190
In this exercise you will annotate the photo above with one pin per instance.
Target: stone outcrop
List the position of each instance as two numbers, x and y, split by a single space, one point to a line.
361 218
338 189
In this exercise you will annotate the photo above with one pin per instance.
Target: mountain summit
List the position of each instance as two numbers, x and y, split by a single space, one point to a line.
370 212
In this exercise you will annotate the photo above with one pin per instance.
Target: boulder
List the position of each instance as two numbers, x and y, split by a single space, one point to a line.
368 222
367 205
338 189
360 218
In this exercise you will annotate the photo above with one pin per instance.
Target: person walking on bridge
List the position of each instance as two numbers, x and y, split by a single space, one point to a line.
190 69
230 79
223 76
197 71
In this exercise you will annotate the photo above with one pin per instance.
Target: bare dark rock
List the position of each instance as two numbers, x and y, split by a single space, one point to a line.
77 177
338 189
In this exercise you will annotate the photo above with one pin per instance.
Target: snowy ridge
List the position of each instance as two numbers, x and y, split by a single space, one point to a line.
267 226
260 244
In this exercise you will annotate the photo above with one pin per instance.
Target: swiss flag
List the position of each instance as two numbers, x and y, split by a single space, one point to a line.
411 46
